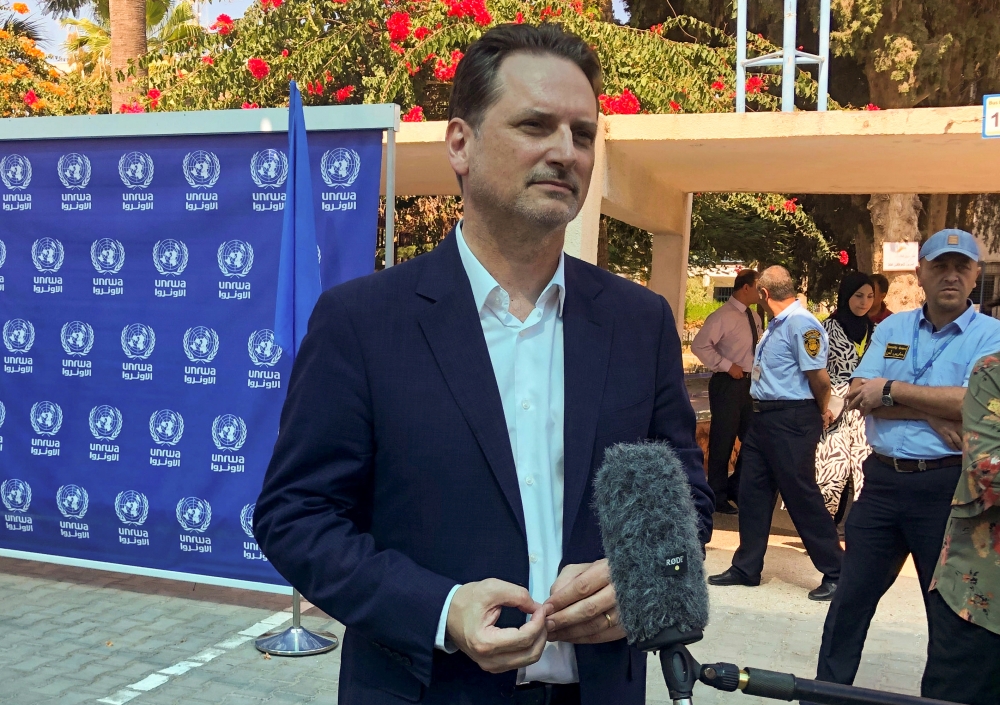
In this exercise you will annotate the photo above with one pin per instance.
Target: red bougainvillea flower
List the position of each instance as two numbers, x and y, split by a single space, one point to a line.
844 259
771 207
20 8
577 6
656 29
249 106
754 84
624 104
872 106
445 70
223 24
314 88
395 48
420 32
719 84
207 60
134 107
414 114
154 97
284 52
548 12
270 4
790 206
398 25
476 9
30 98
519 18
344 93
258 68
675 107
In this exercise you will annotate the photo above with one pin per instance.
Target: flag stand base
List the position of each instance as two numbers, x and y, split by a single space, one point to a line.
296 640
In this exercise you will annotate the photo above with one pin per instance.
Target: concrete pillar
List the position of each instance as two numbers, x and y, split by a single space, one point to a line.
670 253
582 232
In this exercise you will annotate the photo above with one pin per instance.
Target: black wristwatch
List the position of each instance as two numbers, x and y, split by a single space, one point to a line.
887 393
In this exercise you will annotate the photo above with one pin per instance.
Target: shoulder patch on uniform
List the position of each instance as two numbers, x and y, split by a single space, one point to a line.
896 351
811 342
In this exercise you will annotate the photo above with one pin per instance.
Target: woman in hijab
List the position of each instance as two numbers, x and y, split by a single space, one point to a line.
844 446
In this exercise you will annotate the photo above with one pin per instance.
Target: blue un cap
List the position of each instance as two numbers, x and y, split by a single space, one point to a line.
950 240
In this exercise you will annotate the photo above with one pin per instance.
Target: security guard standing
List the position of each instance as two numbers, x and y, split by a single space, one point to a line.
909 386
791 392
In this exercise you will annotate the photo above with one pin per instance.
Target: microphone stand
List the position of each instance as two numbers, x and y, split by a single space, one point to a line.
681 670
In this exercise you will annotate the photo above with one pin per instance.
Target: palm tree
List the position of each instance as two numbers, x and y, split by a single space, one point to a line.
127 21
88 46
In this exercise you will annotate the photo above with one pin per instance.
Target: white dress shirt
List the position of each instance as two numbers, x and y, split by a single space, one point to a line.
725 338
528 364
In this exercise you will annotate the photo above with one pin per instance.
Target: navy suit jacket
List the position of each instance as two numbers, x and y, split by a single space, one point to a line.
393 479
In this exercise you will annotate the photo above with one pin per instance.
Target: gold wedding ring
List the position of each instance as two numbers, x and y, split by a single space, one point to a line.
610 623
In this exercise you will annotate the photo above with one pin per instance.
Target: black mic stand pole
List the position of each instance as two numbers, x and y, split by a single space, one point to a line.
681 670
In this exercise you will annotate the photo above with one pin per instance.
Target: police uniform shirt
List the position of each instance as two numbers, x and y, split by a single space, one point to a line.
793 343
901 348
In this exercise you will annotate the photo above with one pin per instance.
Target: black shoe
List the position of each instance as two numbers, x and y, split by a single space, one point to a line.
726 507
731 577
824 593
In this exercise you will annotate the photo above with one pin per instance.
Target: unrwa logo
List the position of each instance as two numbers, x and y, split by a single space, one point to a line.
77 338
15 172
18 335
46 418
138 341
269 168
132 507
136 169
166 427
201 344
74 170
170 257
246 518
107 255
47 253
339 167
229 432
201 168
235 258
194 514
72 501
15 494
263 349
105 422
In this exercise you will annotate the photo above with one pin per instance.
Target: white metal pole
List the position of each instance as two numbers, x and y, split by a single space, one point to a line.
296 609
788 59
390 197
824 53
741 55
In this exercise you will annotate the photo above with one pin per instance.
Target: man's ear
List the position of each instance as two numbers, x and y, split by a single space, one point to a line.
458 138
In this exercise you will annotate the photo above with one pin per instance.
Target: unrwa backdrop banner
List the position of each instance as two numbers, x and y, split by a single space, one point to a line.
141 384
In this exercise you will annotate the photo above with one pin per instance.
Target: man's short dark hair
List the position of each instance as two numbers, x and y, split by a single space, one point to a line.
881 282
778 282
746 276
476 88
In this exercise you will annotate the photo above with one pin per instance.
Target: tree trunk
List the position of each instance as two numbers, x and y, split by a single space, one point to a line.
602 244
894 218
863 250
128 44
937 213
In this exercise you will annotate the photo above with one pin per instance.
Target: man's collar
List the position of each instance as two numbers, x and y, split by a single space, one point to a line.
740 306
962 321
483 283
794 306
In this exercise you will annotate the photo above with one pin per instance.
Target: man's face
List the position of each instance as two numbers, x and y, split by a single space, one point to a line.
879 298
948 280
752 294
534 151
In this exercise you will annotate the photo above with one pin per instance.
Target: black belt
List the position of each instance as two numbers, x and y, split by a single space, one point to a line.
536 693
759 406
901 465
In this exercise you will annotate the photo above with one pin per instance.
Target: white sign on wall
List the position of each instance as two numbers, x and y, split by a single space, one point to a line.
991 116
900 256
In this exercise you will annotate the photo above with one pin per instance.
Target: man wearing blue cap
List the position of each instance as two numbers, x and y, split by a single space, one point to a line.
909 386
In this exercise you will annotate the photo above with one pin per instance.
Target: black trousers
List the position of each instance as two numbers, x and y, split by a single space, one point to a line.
897 514
779 455
963 659
731 406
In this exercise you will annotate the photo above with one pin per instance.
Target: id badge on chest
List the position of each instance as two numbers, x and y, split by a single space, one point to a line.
755 373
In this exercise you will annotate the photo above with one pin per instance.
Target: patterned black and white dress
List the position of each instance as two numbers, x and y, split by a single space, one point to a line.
844 445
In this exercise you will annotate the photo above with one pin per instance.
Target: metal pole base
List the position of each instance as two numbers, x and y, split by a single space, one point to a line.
297 641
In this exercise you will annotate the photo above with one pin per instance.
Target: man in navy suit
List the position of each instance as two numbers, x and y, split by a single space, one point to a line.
431 483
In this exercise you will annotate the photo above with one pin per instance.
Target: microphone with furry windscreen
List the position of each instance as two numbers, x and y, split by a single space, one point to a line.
649 528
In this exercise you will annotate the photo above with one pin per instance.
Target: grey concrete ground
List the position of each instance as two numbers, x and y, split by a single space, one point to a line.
72 635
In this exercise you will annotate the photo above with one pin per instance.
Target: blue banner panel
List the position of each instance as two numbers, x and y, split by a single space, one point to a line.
141 384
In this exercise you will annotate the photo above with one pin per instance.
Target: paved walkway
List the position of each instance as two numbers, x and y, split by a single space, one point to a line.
80 636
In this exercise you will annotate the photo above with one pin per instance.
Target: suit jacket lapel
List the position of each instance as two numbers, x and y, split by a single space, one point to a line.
587 333
455 336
